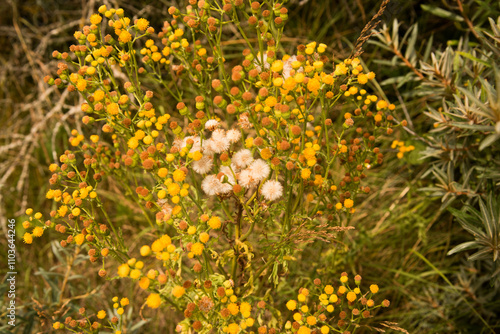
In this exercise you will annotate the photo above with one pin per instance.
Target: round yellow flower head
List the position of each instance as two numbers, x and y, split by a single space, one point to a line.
178 291
37 231
123 270
101 314
214 222
124 36
28 238
153 300
197 248
291 305
142 24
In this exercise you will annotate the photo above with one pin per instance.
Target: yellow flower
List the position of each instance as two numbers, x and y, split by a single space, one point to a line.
214 222
37 231
101 314
133 143
81 84
156 56
305 173
113 109
351 296
233 328
153 300
271 101
79 239
163 172
75 212
204 237
145 250
289 83
245 309
124 36
362 78
249 142
313 85
179 175
233 308
124 302
374 288
340 69
309 153
27 238
329 289
277 66
144 283
303 330
291 305
299 77
311 320
197 248
327 79
348 203
165 240
95 19
266 154
178 291
123 270
142 24
135 274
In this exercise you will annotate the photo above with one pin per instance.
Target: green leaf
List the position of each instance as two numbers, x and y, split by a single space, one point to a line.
471 57
463 247
475 127
480 255
486 111
442 13
466 221
488 222
488 141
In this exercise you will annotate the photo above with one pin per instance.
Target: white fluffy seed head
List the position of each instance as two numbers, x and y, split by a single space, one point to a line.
233 135
204 165
211 124
272 190
242 158
246 180
259 170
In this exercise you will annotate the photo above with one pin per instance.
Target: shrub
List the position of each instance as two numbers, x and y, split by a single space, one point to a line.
260 154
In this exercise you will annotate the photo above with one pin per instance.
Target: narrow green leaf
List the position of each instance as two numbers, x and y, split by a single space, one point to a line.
442 13
480 255
471 57
463 247
488 141
488 222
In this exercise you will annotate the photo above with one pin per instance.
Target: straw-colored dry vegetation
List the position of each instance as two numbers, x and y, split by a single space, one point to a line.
318 202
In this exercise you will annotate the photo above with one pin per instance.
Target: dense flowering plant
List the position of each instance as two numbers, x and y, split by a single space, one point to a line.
262 153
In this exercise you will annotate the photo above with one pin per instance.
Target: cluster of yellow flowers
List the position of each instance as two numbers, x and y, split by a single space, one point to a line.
402 148
332 309
115 323
243 142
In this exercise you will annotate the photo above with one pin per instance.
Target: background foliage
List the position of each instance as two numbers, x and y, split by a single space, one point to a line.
438 59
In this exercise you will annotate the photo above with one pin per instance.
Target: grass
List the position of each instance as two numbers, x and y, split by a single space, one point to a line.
400 239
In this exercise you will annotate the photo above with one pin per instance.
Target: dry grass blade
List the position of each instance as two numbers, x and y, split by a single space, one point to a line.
367 31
